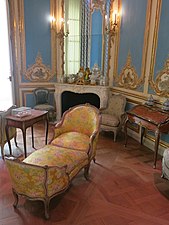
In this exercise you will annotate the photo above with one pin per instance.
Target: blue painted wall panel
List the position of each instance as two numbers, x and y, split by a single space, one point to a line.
132 33
37 30
163 43
96 39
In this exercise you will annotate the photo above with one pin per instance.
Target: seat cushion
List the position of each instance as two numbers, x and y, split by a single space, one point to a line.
73 140
110 120
44 107
57 156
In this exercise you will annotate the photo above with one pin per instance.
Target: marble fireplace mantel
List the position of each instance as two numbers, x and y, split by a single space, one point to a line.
101 91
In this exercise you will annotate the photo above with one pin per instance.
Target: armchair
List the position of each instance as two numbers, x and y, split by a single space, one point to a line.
79 129
12 131
114 115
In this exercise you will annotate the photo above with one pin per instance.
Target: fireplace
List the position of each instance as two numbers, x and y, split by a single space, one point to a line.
77 98
68 95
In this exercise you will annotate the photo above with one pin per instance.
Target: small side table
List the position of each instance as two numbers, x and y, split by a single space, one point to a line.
25 122
150 118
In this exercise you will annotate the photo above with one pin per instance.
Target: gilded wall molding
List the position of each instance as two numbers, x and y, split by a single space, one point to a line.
128 77
38 72
57 37
98 4
160 84
138 79
17 34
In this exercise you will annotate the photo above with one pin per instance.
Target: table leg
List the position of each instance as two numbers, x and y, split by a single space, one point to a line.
24 141
142 134
157 138
46 128
8 140
125 132
33 146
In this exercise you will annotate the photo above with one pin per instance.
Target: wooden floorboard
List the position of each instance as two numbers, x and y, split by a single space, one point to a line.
123 189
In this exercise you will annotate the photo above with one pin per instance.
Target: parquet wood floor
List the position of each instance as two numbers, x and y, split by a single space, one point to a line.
121 190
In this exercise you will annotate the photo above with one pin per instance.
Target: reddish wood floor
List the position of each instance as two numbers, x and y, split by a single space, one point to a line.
122 190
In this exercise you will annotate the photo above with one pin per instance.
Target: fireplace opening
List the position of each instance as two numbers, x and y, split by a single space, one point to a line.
70 99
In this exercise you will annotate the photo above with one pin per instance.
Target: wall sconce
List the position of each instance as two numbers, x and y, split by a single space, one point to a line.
59 26
111 24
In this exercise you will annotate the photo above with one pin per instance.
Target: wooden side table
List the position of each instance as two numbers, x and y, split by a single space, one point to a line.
23 123
151 118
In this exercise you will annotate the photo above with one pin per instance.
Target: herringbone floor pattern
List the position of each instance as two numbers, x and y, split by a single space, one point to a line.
121 190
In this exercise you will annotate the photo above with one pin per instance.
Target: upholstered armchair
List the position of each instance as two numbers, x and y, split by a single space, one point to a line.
12 131
114 115
79 129
42 101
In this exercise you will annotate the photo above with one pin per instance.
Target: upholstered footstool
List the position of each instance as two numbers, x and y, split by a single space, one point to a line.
46 173
56 156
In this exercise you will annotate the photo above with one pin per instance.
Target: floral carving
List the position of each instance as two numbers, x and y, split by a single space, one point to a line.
162 80
38 71
128 77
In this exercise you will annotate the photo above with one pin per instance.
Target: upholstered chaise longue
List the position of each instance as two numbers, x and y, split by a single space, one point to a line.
48 171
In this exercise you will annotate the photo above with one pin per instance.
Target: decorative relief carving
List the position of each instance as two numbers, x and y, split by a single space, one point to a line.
128 77
98 4
101 91
38 71
161 84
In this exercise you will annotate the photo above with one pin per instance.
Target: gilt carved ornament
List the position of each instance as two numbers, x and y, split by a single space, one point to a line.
38 71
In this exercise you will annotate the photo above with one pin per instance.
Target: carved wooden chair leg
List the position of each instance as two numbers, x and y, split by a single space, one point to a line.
16 198
46 204
86 171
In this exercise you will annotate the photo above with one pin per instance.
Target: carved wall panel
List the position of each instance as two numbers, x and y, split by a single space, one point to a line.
131 75
38 72
159 70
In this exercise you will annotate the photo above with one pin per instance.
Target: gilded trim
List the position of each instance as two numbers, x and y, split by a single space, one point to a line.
128 78
38 72
17 28
22 36
161 83
98 5
137 81
57 37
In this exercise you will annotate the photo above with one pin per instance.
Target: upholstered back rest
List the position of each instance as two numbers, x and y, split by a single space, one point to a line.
81 118
116 105
12 131
33 181
41 95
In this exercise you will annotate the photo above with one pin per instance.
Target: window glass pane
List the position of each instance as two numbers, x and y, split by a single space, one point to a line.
72 42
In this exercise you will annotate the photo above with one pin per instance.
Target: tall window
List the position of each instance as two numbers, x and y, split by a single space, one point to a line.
72 42
5 70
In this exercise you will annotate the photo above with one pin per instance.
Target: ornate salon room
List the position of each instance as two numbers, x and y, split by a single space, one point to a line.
84 112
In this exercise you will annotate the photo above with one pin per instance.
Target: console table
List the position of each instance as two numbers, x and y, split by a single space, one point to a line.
150 118
24 122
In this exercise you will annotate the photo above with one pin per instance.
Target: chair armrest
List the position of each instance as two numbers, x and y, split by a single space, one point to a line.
123 117
57 130
92 144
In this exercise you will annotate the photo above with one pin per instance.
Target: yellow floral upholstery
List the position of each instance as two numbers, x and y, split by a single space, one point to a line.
78 129
73 140
46 173
113 116
52 156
